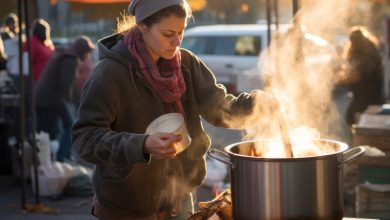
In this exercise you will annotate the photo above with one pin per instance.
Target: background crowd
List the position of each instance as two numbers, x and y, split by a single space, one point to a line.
58 75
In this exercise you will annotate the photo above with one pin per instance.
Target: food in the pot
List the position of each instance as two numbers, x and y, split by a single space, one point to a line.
273 148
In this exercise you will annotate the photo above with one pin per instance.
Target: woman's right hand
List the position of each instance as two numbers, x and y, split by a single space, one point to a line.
161 145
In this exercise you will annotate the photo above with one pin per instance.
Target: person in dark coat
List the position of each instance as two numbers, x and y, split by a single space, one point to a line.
142 73
55 112
362 72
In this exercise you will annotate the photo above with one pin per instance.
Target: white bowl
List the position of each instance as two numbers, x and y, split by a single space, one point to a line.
172 123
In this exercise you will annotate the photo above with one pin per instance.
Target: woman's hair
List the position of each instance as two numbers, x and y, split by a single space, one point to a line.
182 10
361 42
11 19
11 23
41 29
359 32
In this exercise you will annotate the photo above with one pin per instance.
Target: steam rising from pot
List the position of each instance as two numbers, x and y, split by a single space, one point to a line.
299 69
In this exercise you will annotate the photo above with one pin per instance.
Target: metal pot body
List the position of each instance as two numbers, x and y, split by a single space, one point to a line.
287 188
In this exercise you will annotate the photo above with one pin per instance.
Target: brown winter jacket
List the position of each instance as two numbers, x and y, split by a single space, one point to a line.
115 108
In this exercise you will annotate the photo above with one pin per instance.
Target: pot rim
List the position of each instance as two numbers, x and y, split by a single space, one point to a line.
227 149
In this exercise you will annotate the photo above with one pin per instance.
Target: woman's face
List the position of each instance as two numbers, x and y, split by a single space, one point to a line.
163 39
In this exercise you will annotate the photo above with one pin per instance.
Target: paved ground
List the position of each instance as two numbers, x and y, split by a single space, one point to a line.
75 208
70 208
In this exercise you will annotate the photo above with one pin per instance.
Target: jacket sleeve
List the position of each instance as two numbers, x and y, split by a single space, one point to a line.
93 138
215 104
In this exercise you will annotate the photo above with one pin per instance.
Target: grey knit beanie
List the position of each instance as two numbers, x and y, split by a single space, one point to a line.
142 9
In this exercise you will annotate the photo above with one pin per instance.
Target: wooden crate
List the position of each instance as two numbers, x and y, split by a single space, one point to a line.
374 137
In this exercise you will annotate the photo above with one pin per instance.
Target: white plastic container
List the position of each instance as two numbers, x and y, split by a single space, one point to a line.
52 179
43 144
171 123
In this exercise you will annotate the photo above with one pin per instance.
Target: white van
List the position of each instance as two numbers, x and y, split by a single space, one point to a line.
228 50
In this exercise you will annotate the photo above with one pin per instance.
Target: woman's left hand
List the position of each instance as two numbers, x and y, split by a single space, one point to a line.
161 145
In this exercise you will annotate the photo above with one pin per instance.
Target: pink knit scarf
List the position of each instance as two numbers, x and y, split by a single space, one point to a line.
166 79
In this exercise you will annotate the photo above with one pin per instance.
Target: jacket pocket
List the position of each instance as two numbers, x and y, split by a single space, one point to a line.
132 192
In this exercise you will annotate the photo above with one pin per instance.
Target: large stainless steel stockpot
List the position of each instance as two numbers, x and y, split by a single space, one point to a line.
286 188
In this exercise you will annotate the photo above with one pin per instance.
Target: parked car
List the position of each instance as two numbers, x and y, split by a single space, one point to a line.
228 50
60 43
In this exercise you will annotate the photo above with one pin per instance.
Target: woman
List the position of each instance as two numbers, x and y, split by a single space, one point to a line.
362 72
42 47
143 74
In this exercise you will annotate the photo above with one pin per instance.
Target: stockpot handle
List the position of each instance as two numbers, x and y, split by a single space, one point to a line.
353 154
220 156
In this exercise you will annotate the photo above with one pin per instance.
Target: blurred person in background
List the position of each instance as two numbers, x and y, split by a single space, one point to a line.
6 83
10 36
53 94
11 45
3 59
10 27
142 74
42 47
361 72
